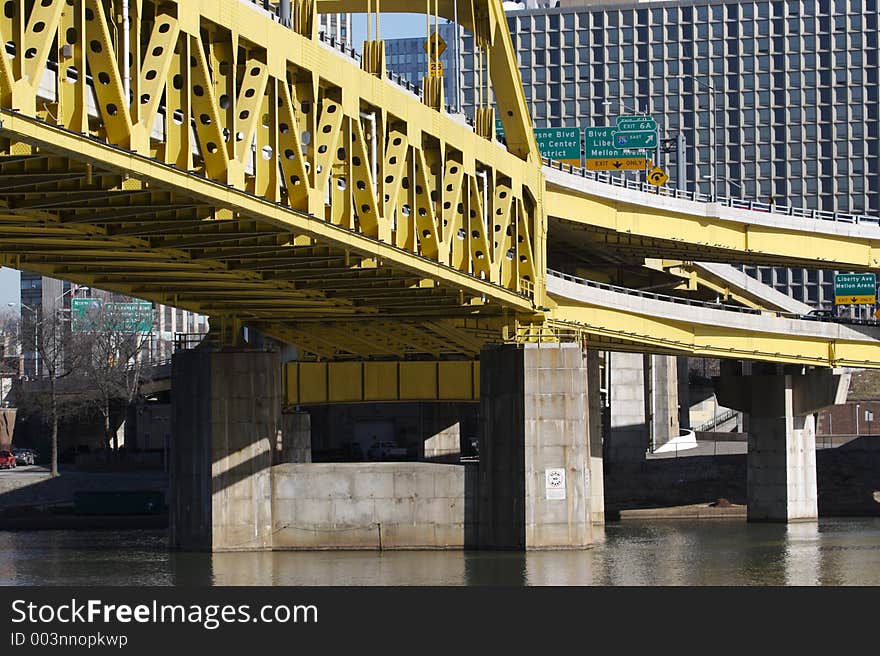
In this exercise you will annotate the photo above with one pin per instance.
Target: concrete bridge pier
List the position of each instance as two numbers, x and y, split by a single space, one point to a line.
226 418
644 400
535 479
781 462
594 417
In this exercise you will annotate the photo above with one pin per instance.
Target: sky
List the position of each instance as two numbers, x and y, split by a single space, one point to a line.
10 291
391 26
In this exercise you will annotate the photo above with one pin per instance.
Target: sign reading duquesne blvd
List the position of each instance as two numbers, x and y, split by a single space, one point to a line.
855 288
560 144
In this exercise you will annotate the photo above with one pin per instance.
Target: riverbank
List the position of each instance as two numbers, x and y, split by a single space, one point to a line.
715 510
65 522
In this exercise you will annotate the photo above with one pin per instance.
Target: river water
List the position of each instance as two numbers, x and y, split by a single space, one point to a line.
834 551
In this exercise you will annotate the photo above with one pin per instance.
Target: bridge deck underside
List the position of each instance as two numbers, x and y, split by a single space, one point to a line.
581 243
62 217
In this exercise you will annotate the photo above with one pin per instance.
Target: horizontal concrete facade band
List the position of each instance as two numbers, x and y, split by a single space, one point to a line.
317 383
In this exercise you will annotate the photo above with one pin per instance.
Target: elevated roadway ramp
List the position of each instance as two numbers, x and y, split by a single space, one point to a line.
620 319
756 293
602 215
731 283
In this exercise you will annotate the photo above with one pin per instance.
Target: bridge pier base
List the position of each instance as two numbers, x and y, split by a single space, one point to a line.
644 401
781 462
226 419
535 479
594 417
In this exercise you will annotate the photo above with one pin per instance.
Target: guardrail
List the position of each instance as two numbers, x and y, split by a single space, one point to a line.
727 307
391 76
738 203
713 423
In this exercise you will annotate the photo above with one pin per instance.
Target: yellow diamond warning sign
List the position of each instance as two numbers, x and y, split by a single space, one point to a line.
657 177
435 46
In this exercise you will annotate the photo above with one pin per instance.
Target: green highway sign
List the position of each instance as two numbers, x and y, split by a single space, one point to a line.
93 315
130 317
84 313
636 124
560 144
855 288
635 140
599 143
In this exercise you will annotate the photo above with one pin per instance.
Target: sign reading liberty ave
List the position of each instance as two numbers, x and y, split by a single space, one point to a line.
855 288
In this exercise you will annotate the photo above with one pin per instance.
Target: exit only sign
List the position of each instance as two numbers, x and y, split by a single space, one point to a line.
855 288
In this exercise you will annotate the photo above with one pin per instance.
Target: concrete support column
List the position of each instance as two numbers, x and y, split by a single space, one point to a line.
535 480
644 404
684 392
226 417
781 463
628 432
594 417
296 437
662 410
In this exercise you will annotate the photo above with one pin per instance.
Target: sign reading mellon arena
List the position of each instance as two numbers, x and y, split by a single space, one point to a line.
855 289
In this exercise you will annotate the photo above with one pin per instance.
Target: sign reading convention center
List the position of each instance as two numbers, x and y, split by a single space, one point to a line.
560 144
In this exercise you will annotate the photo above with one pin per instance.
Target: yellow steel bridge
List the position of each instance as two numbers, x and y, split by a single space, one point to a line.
203 154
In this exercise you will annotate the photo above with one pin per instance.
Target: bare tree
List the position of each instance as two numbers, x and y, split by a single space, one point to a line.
113 352
50 341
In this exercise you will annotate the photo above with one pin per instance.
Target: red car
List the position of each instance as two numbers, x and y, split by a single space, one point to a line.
7 460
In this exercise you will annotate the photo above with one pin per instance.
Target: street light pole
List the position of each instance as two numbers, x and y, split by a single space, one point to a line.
711 131
36 349
608 103
731 182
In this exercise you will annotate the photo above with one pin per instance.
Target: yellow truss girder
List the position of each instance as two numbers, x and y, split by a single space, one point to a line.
484 18
251 89
216 253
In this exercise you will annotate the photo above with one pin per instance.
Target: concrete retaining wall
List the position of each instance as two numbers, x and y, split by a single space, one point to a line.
387 505
22 489
846 477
